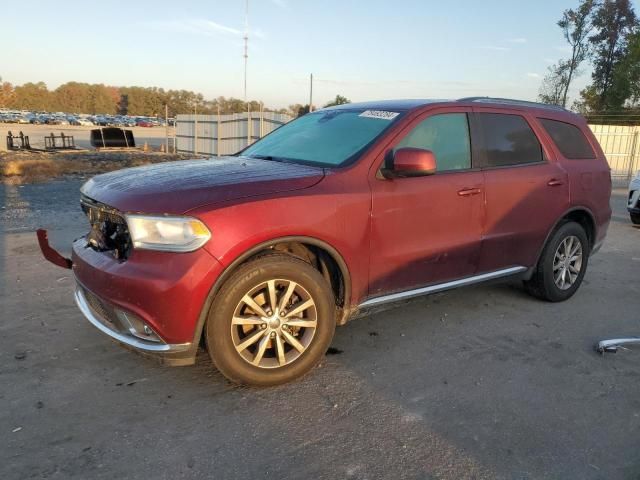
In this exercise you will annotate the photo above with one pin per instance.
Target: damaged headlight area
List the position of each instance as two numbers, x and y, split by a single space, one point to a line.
109 231
170 234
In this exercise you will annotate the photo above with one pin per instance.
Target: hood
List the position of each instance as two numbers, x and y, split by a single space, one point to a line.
176 187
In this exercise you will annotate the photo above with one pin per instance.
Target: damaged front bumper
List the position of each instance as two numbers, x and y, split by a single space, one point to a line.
152 303
123 326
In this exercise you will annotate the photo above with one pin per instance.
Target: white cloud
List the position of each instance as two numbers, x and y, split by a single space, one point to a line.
494 48
197 26
533 75
517 40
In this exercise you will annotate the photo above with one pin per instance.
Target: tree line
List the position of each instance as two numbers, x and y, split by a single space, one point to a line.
604 34
76 97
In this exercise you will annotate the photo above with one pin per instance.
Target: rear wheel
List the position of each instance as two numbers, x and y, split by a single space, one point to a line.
635 218
562 265
271 322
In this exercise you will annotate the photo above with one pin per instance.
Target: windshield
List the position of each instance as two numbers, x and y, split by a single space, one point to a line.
327 138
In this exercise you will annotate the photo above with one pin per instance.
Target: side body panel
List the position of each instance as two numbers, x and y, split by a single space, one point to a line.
424 230
589 179
523 203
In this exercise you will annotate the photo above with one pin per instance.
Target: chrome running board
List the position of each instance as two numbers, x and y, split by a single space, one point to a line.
394 297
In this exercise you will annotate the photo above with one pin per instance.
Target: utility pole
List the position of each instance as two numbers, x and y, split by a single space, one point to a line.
246 47
311 94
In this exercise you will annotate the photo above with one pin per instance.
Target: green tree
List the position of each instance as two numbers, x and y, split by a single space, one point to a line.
339 100
613 21
625 84
7 94
32 96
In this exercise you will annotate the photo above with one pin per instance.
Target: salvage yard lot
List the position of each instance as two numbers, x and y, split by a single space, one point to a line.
154 136
483 382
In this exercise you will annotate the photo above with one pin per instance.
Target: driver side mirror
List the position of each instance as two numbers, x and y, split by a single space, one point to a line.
410 162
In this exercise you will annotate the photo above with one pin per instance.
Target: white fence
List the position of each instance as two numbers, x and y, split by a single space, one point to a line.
224 134
620 145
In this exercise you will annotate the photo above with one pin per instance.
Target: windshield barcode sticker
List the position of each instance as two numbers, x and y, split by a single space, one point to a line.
381 114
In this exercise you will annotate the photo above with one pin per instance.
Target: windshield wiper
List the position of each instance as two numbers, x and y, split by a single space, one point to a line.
268 157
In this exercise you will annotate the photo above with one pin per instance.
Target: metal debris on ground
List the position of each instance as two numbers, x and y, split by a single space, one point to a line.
612 346
18 142
60 142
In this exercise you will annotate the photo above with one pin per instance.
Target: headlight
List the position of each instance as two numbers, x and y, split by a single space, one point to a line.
171 234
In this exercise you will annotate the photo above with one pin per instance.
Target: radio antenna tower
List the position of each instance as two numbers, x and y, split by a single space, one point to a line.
246 47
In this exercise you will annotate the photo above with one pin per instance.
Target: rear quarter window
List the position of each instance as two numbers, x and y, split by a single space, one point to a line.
508 140
569 139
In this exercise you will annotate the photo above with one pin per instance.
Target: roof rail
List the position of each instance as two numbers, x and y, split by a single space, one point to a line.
511 101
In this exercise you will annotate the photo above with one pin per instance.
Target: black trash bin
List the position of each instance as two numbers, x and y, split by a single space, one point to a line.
112 137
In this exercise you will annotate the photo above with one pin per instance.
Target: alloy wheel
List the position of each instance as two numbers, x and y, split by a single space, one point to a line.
274 323
567 262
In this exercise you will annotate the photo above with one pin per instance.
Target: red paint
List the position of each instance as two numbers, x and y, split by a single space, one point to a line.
392 234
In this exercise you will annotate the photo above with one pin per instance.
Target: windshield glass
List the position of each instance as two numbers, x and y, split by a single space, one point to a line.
328 138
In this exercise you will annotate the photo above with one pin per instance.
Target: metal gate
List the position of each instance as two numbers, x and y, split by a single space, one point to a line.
620 146
224 134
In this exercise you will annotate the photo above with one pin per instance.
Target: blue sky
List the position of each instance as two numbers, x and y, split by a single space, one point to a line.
365 49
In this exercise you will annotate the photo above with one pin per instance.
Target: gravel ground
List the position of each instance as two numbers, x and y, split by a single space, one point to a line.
484 382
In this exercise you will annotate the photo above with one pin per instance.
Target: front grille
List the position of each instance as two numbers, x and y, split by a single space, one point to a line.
102 310
97 212
109 231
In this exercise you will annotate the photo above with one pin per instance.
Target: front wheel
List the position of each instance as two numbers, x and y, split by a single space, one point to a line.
635 218
271 321
562 265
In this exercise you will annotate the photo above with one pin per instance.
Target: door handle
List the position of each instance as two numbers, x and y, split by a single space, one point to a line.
555 182
465 192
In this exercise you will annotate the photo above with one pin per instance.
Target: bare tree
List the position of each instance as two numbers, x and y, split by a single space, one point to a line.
556 83
576 26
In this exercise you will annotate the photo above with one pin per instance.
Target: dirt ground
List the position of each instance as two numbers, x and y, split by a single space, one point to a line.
484 382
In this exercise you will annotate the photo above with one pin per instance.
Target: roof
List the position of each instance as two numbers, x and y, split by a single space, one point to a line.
397 105
410 104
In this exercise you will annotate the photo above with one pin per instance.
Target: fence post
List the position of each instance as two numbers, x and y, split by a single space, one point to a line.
632 157
261 120
219 132
248 127
195 130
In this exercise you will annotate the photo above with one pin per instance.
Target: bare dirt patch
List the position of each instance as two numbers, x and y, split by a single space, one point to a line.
18 168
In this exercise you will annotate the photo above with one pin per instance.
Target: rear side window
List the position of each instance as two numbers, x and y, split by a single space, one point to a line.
569 139
508 140
447 136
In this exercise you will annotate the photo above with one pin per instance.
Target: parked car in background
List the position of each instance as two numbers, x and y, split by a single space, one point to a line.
85 122
344 209
633 204
144 122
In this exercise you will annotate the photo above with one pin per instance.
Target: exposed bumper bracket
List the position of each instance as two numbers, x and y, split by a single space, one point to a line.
49 253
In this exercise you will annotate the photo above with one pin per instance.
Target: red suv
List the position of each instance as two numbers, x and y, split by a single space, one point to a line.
263 253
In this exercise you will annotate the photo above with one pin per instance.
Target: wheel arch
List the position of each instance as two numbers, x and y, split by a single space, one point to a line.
581 215
333 259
